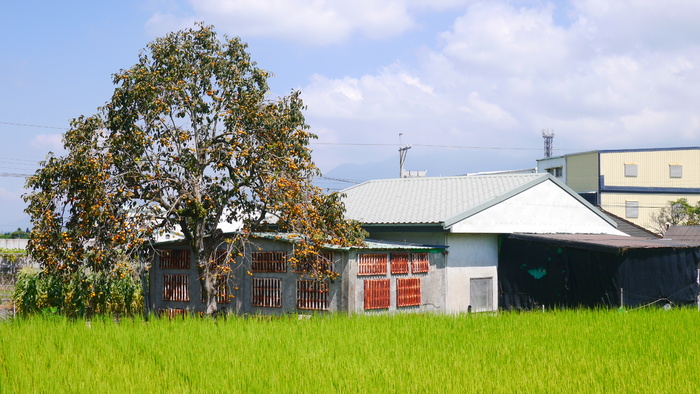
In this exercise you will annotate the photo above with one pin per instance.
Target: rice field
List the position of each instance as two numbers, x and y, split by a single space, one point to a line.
558 351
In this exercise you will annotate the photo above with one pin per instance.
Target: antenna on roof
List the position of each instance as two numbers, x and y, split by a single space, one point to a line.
548 136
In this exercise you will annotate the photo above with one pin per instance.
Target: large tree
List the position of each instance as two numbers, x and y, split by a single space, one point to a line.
191 139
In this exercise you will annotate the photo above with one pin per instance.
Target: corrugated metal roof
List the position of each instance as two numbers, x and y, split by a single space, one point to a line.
368 244
428 200
602 242
630 228
686 234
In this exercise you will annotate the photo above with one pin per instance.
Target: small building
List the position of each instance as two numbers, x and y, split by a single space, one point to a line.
378 276
594 270
468 215
630 183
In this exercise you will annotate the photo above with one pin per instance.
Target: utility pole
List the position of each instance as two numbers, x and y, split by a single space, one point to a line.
402 157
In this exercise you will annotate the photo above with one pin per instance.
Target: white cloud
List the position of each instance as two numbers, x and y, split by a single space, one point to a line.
317 22
501 73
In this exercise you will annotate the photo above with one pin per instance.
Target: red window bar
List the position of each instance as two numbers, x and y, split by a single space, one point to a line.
179 259
176 287
267 292
222 292
324 262
172 313
399 263
419 263
269 262
377 293
372 264
312 294
407 292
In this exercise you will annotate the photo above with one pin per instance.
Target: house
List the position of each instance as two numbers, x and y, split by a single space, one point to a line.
630 183
595 270
448 244
469 215
378 276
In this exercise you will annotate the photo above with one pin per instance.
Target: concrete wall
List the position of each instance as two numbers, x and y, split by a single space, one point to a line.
241 284
432 285
471 256
14 243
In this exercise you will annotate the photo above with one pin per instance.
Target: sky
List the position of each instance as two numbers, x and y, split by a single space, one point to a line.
469 85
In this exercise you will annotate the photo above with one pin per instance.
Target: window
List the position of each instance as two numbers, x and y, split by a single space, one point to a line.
630 169
269 262
377 293
407 292
399 263
556 171
323 263
267 292
222 290
372 264
179 259
419 263
481 294
675 170
176 287
172 313
632 209
312 294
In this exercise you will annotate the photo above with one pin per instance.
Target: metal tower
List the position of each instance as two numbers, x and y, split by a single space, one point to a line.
548 136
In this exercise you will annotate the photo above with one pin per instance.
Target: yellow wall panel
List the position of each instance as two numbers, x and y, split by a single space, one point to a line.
653 168
582 172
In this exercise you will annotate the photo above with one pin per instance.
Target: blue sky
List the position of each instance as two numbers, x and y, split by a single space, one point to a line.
469 84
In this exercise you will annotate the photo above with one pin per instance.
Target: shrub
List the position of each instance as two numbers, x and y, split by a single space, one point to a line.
81 294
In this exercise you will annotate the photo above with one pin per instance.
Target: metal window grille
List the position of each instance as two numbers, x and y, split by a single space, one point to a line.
222 290
220 257
372 264
172 313
324 263
267 292
176 287
178 259
312 294
377 293
407 292
419 263
269 262
399 263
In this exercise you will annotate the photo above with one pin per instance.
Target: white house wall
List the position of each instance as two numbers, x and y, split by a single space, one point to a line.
470 256
544 208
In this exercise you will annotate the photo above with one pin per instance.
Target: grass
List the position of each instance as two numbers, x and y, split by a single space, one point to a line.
564 351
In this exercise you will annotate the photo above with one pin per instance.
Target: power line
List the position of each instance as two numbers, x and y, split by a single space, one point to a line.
34 125
13 175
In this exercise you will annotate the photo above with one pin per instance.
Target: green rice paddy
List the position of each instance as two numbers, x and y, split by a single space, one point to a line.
559 351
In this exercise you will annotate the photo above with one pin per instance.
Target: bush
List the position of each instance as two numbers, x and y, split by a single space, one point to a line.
81 294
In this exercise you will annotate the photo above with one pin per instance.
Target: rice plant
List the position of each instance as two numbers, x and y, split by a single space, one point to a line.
564 351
